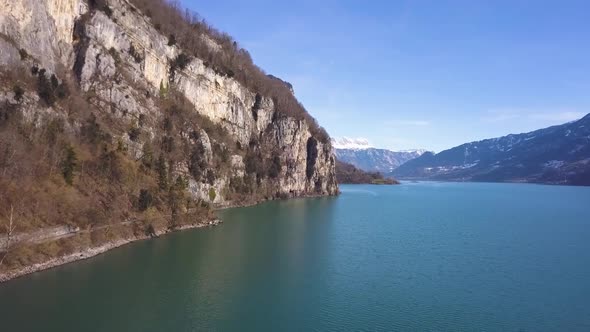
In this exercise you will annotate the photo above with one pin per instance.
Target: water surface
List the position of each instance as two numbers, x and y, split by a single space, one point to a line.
415 257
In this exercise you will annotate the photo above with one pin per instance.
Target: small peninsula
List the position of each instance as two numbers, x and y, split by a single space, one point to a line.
349 174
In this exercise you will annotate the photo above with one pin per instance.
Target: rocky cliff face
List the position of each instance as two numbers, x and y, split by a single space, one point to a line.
123 65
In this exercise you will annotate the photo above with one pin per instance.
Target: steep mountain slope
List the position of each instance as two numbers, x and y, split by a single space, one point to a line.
124 119
555 155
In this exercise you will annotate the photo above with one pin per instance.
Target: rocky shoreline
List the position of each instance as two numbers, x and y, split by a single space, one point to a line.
94 251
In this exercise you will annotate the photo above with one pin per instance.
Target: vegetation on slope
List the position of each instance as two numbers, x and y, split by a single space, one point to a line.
347 173
73 168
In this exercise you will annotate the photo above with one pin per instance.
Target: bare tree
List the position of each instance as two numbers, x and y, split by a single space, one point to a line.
10 228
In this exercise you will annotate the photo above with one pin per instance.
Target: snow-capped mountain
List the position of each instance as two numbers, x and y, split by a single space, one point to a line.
419 152
360 153
351 143
557 155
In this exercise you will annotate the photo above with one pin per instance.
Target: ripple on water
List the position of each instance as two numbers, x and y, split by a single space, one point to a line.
414 257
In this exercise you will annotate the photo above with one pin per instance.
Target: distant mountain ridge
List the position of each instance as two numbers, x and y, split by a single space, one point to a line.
554 155
358 152
351 143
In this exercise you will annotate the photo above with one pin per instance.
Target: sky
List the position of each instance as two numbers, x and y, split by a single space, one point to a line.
420 74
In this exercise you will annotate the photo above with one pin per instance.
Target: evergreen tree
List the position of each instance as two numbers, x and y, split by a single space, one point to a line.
162 170
69 165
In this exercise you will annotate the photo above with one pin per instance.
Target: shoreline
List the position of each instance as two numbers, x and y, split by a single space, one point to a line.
95 251
248 204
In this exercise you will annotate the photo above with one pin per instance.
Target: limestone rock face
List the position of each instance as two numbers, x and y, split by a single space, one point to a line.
44 28
124 62
9 55
237 165
206 143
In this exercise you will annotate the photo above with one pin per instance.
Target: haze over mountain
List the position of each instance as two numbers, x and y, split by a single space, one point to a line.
360 153
556 155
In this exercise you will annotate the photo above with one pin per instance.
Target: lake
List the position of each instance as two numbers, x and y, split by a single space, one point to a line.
414 257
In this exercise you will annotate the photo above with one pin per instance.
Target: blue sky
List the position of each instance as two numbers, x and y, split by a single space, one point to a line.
420 74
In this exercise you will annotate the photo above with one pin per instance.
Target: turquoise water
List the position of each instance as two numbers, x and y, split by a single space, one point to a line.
415 257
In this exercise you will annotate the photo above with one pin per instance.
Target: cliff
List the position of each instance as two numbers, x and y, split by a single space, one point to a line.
105 119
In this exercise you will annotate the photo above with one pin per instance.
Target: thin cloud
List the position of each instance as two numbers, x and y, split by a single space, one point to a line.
522 114
400 144
415 123
500 115
559 116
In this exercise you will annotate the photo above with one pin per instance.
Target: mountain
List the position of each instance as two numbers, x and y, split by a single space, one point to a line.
345 143
121 119
376 160
554 155
359 153
349 174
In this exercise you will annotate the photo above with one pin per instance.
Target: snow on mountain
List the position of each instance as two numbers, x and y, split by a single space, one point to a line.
371 159
351 143
417 152
557 155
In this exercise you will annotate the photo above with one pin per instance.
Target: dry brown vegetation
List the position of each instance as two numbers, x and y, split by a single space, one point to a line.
70 167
